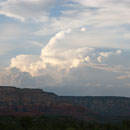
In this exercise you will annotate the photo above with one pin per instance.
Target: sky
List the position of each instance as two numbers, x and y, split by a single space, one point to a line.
69 47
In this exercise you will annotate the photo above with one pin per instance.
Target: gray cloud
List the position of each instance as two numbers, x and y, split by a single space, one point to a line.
25 10
84 80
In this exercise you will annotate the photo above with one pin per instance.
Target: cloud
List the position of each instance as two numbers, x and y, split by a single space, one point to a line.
83 29
35 43
14 77
25 10
103 55
60 54
79 81
65 67
67 64
55 54
26 63
105 27
87 46
11 31
12 36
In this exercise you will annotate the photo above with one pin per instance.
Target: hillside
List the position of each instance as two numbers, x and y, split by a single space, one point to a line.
16 101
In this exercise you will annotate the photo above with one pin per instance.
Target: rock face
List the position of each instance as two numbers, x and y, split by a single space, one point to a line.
105 106
16 101
24 100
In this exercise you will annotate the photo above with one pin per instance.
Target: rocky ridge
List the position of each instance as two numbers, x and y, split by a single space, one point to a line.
16 101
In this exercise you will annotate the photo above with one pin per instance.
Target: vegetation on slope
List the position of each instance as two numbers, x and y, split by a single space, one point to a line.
56 123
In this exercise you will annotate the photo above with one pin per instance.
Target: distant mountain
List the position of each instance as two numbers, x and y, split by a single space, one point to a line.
16 101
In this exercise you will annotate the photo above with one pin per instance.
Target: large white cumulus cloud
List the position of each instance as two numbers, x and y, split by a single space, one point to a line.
58 55
61 60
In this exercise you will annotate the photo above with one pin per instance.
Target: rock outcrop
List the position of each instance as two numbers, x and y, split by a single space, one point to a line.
16 101
24 100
